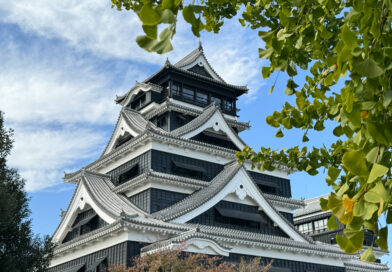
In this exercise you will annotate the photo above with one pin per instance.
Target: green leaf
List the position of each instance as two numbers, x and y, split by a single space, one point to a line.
368 68
368 255
389 217
266 72
168 17
290 88
349 38
370 209
377 171
324 204
372 197
382 239
351 246
148 15
359 208
355 162
332 224
354 116
387 98
167 4
335 204
376 133
355 224
265 54
271 89
333 174
279 134
151 31
375 152
380 190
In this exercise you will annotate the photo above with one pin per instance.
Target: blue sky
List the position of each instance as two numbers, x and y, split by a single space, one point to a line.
63 62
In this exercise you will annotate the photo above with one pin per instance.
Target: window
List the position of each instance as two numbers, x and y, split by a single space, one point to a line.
217 100
306 228
228 105
123 139
320 225
188 93
176 89
201 97
132 172
138 102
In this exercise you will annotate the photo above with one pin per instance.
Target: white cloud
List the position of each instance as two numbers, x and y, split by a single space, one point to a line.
87 24
59 76
44 88
42 154
94 26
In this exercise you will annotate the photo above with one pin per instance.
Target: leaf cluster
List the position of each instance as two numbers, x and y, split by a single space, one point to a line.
332 40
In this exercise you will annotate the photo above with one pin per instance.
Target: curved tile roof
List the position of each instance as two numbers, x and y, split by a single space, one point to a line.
206 115
191 57
312 205
100 188
200 197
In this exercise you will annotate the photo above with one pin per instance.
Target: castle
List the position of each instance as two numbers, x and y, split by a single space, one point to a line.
169 175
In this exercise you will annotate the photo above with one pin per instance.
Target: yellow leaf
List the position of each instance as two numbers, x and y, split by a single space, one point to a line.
348 204
365 114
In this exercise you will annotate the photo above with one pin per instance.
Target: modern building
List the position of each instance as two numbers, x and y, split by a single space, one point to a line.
169 176
311 220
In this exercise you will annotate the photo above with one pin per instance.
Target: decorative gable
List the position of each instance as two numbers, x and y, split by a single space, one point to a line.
130 124
199 69
197 62
211 122
234 179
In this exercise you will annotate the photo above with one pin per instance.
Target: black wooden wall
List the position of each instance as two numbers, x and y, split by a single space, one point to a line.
213 218
122 253
153 200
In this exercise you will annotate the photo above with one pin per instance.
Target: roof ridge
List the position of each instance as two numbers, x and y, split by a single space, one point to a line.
216 183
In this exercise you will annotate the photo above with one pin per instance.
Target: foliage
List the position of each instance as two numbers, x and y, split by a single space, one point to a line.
331 40
19 249
179 261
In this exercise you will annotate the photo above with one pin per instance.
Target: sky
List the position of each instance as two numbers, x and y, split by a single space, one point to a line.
63 62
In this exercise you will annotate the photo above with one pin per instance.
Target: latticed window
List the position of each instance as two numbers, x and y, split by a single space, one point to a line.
188 93
201 97
320 225
217 100
176 89
306 228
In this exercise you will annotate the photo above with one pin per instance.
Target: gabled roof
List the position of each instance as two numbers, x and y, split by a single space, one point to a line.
200 197
95 190
100 187
232 179
211 117
170 105
197 57
130 121
189 238
139 87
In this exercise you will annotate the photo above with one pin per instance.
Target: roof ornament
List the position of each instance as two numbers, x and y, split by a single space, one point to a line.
200 46
167 62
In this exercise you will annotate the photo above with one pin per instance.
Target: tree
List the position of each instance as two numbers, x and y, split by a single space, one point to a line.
332 40
19 249
179 261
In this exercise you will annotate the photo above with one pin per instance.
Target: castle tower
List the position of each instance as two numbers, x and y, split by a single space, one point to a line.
169 174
